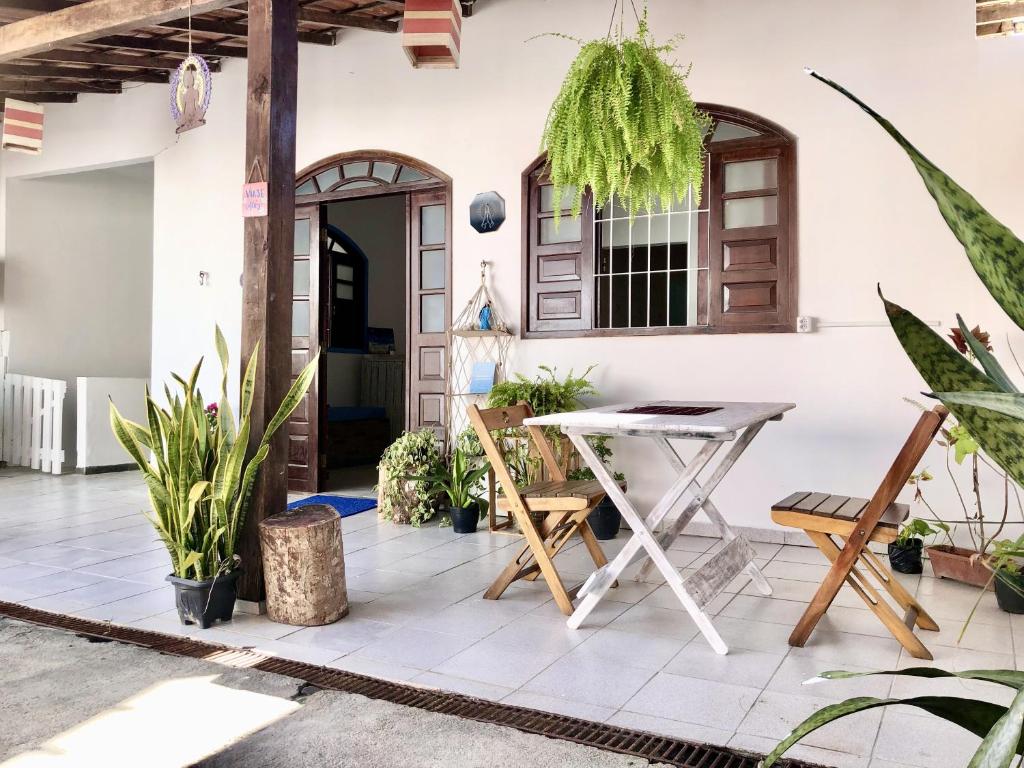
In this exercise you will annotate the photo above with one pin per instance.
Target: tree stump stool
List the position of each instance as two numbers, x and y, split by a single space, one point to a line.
304 566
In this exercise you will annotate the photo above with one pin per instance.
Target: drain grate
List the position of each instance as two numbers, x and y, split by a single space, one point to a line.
656 749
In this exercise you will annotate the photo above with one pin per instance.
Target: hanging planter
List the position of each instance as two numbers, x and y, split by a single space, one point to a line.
624 124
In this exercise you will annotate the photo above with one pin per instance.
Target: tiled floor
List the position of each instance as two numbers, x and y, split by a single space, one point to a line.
80 545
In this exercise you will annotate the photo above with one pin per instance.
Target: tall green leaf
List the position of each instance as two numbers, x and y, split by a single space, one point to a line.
946 370
1002 742
1007 677
996 254
987 359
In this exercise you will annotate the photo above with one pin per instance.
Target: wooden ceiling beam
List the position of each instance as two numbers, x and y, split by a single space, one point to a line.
237 29
52 72
347 19
41 98
163 45
102 58
93 19
989 14
29 86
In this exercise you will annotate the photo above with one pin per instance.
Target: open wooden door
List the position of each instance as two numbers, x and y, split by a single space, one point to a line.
305 422
430 310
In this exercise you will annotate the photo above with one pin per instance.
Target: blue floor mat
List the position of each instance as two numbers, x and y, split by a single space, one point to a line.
343 505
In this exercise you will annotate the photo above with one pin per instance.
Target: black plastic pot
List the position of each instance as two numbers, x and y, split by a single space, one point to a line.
906 558
464 519
605 520
204 602
1010 591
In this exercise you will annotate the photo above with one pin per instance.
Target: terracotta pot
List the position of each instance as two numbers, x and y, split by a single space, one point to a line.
959 564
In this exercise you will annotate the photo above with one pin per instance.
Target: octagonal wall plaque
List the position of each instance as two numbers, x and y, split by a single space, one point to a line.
487 212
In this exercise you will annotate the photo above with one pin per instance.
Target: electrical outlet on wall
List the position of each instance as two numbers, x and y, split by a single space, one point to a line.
805 324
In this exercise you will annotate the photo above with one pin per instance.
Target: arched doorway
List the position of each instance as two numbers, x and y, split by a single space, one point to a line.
369 207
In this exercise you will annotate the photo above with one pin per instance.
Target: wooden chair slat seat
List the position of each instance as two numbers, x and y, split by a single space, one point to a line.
835 514
567 494
842 526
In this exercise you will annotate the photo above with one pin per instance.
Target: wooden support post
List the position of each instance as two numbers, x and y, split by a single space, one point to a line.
269 245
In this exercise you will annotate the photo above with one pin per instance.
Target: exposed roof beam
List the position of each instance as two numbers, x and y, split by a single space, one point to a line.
1006 11
336 19
163 45
236 29
51 72
92 19
30 86
113 59
42 98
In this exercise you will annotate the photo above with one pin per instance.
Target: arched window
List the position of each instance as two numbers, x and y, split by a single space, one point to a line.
368 173
727 265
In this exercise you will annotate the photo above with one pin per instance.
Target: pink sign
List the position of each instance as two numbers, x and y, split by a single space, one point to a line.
254 199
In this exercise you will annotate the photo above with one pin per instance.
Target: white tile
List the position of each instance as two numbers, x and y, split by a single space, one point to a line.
436 681
650 652
775 715
704 702
600 682
934 743
739 667
497 664
472 618
782 569
767 609
649 620
568 707
814 755
543 635
54 583
257 626
344 636
131 608
412 647
753 635
808 554
662 726
838 649
795 672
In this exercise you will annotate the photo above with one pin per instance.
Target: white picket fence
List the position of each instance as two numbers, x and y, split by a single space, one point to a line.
31 421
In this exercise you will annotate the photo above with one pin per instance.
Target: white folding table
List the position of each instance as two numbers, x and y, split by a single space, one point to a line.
714 423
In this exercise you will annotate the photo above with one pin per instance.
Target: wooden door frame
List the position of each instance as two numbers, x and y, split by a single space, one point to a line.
440 181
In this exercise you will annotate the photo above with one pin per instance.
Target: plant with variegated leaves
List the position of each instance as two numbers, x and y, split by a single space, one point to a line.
193 461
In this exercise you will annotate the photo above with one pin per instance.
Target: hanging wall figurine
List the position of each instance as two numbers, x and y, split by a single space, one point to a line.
190 93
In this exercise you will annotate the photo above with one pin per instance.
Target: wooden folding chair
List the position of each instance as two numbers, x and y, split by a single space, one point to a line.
564 504
855 522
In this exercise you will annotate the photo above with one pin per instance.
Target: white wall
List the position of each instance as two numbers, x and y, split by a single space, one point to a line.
97 448
79 276
864 216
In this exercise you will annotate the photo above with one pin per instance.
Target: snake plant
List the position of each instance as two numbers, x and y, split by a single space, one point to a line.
999 727
193 461
984 400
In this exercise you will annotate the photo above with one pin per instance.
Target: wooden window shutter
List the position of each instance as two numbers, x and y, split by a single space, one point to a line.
752 239
558 264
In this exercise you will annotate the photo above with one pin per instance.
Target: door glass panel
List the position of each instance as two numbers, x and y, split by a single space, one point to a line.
345 272
725 131
355 169
300 317
327 178
432 224
300 277
432 313
547 198
432 269
751 212
343 291
302 237
752 174
384 171
569 230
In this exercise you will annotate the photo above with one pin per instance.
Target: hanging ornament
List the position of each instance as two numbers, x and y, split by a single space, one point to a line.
23 127
190 88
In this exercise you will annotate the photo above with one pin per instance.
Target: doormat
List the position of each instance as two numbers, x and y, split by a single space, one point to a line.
343 505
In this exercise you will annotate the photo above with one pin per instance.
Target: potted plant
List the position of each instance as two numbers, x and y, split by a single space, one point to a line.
905 552
193 460
401 499
1006 563
606 519
458 482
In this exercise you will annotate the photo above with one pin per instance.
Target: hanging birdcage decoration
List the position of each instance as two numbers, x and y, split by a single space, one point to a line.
478 346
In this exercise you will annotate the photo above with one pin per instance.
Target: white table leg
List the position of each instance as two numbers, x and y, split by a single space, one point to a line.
601 580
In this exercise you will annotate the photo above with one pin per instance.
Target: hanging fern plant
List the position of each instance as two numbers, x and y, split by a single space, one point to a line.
625 125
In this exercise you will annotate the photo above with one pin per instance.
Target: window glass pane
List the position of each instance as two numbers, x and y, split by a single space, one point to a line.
570 230
411 174
602 301
432 224
300 318
547 198
359 184
751 212
752 174
725 131
677 298
659 299
302 237
306 188
619 301
344 272
432 269
384 171
432 313
638 301
355 169
344 291
300 277
328 178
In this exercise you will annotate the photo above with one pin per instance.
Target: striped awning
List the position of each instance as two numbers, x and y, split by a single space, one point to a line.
23 126
432 33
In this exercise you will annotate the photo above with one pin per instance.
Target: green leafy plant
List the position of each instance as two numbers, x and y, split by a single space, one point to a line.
459 481
604 452
198 478
919 529
624 125
403 500
999 727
